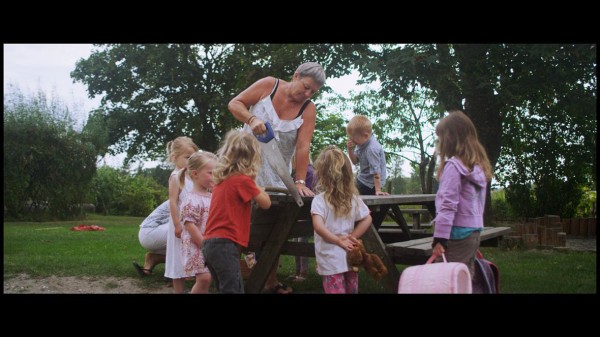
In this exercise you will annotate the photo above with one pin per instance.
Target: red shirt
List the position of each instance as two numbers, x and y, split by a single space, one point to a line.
229 214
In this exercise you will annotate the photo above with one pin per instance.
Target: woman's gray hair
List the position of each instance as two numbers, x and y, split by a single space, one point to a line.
312 70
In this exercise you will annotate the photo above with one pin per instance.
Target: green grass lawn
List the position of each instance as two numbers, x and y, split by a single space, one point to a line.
51 248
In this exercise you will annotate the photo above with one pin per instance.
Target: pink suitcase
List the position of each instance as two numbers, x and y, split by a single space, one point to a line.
436 278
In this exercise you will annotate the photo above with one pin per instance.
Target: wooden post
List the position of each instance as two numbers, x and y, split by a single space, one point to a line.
373 244
531 228
402 222
575 226
530 241
566 225
268 257
552 236
583 226
513 241
519 229
592 227
416 220
562 239
541 232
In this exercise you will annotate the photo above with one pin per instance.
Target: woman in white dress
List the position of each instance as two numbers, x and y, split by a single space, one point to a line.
291 113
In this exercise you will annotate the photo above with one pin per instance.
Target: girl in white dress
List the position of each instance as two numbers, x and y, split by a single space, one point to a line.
194 213
178 151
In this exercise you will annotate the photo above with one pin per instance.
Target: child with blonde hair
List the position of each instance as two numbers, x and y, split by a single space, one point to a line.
194 213
228 224
179 151
370 156
339 218
463 175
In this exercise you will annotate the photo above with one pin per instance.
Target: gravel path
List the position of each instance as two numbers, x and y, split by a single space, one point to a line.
582 244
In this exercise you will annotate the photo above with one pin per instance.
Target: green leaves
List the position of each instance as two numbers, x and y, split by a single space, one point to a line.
156 92
47 164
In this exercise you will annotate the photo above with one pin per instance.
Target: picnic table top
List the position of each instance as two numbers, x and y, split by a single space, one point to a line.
370 200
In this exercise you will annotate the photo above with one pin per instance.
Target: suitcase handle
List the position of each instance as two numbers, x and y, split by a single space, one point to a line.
433 257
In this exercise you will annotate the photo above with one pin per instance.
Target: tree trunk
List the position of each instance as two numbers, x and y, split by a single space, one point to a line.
481 105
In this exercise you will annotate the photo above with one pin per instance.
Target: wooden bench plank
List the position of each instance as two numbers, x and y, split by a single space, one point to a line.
417 251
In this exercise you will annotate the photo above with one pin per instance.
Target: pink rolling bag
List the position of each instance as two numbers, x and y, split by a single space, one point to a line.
436 278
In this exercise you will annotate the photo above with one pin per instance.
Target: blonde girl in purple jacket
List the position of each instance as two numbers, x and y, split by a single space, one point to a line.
463 174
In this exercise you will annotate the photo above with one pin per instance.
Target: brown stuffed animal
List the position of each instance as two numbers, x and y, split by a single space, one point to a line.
371 262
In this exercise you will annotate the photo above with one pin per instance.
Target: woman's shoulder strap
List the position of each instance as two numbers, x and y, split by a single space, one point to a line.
274 88
302 108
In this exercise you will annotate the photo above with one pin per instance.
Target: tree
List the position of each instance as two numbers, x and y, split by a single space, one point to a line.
47 164
156 92
489 81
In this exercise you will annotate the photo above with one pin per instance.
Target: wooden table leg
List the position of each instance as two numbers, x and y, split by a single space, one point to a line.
277 238
401 222
373 244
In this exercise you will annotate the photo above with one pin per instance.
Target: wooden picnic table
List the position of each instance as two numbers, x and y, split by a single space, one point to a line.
271 229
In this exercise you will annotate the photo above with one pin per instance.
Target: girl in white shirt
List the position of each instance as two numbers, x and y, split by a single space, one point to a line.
339 218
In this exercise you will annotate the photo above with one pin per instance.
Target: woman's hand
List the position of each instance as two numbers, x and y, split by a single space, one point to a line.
304 191
258 126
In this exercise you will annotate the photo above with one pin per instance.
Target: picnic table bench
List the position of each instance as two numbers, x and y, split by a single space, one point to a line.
271 229
417 251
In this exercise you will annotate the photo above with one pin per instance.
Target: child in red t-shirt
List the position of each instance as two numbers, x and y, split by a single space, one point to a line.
228 224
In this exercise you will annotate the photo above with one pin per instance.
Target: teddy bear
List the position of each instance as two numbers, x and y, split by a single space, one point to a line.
371 262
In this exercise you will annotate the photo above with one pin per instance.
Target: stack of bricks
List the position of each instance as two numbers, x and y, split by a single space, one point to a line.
551 231
543 231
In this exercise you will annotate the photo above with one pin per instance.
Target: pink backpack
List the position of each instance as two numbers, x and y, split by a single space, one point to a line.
436 278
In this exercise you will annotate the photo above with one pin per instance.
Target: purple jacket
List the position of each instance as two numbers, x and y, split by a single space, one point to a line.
460 199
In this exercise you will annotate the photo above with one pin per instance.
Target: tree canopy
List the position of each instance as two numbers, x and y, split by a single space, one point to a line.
500 87
534 105
154 93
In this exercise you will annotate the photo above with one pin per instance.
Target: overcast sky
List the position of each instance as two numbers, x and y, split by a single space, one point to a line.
48 67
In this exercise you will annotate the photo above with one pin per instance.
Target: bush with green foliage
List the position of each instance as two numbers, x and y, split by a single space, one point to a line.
116 192
587 206
500 208
48 165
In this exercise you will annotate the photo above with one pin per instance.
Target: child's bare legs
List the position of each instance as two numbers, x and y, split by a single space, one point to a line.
178 285
202 284
152 259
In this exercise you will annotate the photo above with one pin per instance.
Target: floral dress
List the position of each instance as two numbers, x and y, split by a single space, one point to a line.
194 209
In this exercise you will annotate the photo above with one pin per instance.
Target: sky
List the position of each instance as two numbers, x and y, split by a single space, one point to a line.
32 67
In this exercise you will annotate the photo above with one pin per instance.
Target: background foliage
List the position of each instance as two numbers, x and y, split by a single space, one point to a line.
534 106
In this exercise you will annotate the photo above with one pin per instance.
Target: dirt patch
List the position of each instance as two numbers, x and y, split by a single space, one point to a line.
24 284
